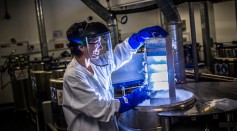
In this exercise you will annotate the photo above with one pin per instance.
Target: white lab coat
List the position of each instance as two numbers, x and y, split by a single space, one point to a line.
88 102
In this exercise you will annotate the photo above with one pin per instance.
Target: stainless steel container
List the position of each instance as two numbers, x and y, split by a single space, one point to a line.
144 116
65 61
58 73
160 78
227 52
56 86
225 66
40 87
37 65
21 88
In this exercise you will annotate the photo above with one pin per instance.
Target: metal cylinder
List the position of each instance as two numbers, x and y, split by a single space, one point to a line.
56 86
221 52
194 43
41 27
175 31
37 65
63 62
40 87
58 73
145 116
206 35
159 68
177 38
113 26
21 89
142 121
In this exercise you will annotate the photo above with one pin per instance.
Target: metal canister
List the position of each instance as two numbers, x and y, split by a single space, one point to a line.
160 80
221 52
56 86
40 87
188 53
58 73
65 61
145 115
229 52
21 88
37 65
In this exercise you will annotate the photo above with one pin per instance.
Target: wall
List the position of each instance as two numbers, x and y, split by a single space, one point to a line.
60 14
184 14
137 21
225 22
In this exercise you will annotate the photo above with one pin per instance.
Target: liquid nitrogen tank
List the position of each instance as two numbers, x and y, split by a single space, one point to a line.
159 71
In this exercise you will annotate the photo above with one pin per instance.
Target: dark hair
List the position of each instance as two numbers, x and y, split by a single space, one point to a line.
74 48
77 32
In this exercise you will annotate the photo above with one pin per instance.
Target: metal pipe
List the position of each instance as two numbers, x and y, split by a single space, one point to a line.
41 28
194 43
175 31
113 26
163 21
106 16
236 13
169 10
171 71
206 35
98 9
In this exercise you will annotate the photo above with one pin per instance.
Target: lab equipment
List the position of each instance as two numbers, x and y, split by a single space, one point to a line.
40 87
56 87
159 75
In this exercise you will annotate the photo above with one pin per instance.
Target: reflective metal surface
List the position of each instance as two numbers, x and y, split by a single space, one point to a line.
145 116
38 65
160 101
40 87
58 73
204 92
56 86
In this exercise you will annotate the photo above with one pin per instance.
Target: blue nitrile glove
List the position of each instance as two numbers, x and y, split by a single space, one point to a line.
137 39
129 101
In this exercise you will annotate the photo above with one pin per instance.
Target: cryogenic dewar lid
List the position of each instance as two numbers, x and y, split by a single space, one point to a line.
160 101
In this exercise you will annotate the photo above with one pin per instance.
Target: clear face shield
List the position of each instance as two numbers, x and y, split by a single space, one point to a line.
100 49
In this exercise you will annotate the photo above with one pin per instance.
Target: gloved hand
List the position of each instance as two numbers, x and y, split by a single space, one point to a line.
137 39
129 101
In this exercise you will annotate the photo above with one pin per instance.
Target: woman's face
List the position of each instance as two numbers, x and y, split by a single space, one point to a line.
99 49
94 47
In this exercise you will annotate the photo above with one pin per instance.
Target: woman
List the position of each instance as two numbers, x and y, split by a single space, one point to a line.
88 101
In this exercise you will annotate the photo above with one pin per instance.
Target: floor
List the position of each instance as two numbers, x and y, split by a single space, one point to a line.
15 121
200 124
11 120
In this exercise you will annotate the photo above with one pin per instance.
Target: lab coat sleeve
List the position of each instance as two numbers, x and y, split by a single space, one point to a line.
86 100
122 54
